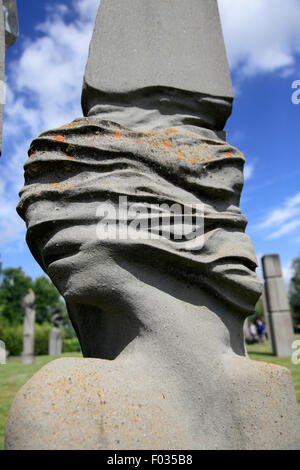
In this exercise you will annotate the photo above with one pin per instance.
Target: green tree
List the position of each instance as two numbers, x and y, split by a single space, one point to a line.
14 286
294 291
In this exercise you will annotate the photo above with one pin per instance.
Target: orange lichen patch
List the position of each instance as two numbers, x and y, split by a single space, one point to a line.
59 138
69 158
167 144
193 161
178 156
71 125
174 131
54 184
117 134
139 141
229 154
70 187
31 155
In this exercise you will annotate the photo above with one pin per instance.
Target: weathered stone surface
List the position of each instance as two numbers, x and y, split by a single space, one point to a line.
267 317
282 333
28 328
154 65
279 317
160 321
91 404
11 22
271 266
277 300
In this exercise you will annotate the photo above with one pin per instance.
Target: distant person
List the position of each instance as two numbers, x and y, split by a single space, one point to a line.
260 331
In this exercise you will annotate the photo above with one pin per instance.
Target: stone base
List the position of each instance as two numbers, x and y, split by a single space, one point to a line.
27 359
91 404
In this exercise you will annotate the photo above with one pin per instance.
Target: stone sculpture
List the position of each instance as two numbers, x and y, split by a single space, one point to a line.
3 353
160 321
9 31
55 337
277 307
28 328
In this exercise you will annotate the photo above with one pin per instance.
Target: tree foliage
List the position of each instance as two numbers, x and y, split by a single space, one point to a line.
14 285
294 292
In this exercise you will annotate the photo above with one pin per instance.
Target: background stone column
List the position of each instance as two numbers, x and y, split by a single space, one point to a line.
277 306
28 330
55 337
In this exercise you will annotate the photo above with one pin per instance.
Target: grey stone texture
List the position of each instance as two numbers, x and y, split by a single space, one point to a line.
11 22
267 317
2 66
160 321
157 64
278 309
28 328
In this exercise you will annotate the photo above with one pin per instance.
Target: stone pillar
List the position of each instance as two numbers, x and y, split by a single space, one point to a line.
160 321
2 65
28 330
55 342
154 65
9 31
55 337
278 308
3 354
267 315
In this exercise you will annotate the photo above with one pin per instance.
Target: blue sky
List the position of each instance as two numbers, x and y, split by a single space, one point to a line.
44 71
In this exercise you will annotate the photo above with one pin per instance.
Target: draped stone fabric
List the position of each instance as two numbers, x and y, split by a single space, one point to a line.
92 161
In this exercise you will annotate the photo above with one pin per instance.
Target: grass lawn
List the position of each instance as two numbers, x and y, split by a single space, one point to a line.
14 374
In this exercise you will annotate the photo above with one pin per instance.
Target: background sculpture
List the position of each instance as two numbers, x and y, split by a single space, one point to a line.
55 337
160 321
9 31
28 329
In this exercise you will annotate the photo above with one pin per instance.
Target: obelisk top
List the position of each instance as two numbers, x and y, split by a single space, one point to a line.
145 46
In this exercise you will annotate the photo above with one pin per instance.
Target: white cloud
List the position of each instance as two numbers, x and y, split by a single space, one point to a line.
285 229
43 91
248 171
261 35
284 219
287 272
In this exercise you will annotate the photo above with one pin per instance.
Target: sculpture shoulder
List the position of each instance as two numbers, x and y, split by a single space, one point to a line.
91 404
